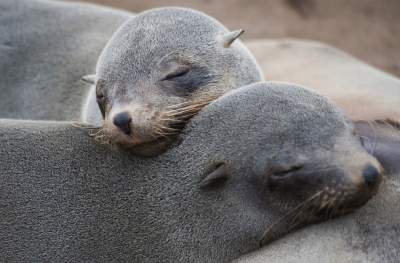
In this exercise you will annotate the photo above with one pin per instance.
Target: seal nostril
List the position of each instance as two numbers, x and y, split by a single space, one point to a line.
122 121
371 175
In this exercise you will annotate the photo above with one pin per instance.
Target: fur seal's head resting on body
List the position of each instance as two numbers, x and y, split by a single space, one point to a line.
296 153
160 68
253 165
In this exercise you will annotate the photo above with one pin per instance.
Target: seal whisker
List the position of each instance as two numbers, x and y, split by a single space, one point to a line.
289 214
188 109
171 120
82 125
99 132
178 105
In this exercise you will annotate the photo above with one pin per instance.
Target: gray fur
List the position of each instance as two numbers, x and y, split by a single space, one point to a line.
369 235
45 48
130 67
64 198
134 69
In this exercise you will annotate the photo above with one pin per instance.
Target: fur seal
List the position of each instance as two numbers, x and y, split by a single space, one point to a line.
369 235
253 165
159 69
364 92
45 48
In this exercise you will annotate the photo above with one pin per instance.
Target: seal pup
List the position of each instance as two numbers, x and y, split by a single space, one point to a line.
45 48
364 92
252 166
158 70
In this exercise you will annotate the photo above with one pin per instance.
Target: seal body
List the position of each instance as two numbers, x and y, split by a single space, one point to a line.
159 69
252 166
45 48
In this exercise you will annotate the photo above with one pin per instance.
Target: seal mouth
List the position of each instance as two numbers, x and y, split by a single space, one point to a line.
151 148
165 128
313 210
160 131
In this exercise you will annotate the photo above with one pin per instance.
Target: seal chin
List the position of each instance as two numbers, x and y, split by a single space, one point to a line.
148 149
318 208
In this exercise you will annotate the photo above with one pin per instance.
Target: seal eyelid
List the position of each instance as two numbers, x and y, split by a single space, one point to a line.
286 171
178 72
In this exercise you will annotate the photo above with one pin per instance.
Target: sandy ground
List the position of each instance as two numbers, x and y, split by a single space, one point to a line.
368 29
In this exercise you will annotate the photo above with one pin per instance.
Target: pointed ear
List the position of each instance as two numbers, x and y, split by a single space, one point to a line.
216 176
382 140
230 37
90 79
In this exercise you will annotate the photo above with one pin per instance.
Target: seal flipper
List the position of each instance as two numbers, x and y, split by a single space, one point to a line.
382 140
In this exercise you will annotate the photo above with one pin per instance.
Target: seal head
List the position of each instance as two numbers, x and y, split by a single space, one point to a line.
253 165
296 158
159 69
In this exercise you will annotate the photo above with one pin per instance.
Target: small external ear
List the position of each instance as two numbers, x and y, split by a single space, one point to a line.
230 37
216 176
382 140
90 79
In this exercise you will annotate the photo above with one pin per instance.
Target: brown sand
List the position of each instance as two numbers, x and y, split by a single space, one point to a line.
368 29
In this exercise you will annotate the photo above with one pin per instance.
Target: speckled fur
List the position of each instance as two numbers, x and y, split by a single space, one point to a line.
131 70
64 198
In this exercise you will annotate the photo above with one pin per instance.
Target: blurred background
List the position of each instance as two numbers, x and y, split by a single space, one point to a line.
368 29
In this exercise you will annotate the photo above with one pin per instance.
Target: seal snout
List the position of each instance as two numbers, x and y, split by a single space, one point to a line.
340 189
366 179
122 121
371 175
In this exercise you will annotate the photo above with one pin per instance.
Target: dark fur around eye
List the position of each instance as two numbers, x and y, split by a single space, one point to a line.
190 81
100 97
179 72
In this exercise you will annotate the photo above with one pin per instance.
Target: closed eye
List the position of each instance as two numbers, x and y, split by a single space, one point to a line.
285 172
178 72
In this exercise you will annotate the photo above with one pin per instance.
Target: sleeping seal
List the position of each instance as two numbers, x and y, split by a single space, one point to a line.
252 166
369 235
159 69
